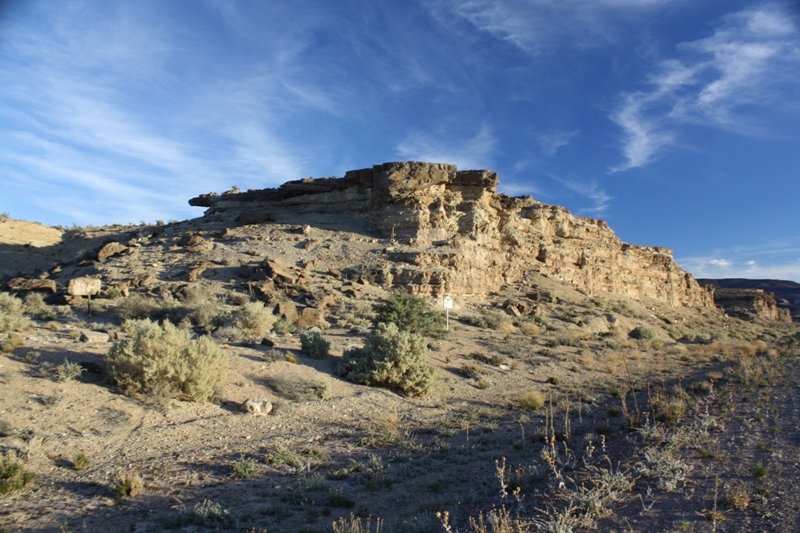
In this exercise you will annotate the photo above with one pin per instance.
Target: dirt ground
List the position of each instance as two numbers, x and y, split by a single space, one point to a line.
717 415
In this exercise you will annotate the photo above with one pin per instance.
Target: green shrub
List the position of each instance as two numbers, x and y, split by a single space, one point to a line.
13 476
314 345
643 334
81 462
410 313
35 305
253 319
243 469
140 307
11 317
66 372
157 357
392 358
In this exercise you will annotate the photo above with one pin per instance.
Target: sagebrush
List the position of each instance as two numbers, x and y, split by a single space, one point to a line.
253 319
314 345
155 357
390 358
13 476
11 317
410 313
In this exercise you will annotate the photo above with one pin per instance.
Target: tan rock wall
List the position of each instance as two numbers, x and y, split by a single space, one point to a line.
456 233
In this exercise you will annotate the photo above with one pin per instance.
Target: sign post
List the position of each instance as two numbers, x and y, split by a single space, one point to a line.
448 305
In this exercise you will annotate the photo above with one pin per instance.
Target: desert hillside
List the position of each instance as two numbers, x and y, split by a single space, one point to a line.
235 372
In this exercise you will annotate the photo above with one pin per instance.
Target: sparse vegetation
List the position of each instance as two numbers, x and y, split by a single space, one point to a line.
11 314
67 371
410 314
642 333
390 358
253 319
243 468
154 357
35 305
128 485
81 462
298 389
532 400
601 431
13 476
314 345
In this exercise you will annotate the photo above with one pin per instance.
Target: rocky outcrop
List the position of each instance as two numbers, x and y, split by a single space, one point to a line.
22 284
450 230
112 248
786 293
751 304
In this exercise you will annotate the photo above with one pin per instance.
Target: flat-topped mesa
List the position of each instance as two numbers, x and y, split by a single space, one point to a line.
454 232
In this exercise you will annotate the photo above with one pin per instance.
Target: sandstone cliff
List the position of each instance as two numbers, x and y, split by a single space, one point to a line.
451 231
786 293
751 304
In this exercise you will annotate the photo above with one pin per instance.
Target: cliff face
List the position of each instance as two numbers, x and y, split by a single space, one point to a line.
751 304
452 231
786 293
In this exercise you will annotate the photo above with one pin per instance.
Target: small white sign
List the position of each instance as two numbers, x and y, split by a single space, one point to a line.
448 302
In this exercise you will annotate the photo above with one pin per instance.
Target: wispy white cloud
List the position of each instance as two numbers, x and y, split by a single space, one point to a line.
542 26
550 141
771 260
470 153
113 130
752 60
591 191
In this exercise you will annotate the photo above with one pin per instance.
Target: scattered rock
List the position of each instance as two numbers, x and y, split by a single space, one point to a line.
83 286
22 284
310 316
286 310
93 336
144 280
112 248
257 406
279 272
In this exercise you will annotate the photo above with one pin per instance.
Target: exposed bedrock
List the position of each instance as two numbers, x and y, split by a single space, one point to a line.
450 230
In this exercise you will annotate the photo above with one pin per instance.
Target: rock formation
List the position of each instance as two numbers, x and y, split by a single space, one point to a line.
451 231
751 304
786 293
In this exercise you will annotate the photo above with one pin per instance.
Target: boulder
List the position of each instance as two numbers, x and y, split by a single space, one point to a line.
22 284
93 336
144 280
310 316
83 286
257 406
196 271
112 248
279 272
286 310
190 239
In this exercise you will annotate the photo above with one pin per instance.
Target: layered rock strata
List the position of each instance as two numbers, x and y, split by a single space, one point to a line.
450 230
751 304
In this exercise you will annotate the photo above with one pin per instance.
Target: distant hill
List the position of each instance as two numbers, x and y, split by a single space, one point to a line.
787 293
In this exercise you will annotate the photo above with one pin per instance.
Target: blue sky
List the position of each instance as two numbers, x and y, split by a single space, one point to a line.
678 121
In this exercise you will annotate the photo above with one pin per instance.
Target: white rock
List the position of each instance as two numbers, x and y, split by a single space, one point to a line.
257 406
